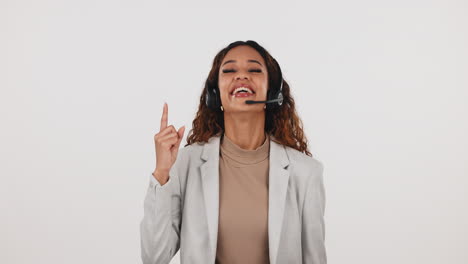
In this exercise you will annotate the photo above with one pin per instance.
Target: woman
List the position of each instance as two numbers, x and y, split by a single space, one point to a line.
244 189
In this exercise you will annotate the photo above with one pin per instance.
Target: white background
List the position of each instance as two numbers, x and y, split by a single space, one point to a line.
381 87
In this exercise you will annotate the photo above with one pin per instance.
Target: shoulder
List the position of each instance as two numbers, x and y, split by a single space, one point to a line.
306 173
301 159
186 159
195 149
303 166
188 152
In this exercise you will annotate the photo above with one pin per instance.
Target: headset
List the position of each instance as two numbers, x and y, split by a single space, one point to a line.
274 95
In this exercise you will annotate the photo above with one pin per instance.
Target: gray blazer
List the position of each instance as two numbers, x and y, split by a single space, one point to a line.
183 213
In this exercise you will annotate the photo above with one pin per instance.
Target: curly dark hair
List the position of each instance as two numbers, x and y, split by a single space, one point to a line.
283 123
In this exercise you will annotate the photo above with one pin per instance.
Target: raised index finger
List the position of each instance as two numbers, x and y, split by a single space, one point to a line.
163 118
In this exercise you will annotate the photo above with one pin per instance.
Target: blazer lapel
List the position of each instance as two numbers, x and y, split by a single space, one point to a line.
210 183
277 189
278 186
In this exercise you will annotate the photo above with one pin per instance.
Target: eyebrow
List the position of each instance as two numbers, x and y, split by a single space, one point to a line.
255 61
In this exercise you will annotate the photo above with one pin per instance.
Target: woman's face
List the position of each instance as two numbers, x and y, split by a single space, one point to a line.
242 66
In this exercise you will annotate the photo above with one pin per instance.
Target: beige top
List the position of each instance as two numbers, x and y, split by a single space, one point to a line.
243 204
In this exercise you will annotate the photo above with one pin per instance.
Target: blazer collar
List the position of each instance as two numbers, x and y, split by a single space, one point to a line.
278 186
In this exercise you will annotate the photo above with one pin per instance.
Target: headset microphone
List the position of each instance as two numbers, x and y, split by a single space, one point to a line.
279 100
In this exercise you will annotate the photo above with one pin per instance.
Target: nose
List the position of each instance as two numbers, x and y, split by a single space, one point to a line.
241 74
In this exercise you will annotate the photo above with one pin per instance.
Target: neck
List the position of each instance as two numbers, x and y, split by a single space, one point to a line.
246 130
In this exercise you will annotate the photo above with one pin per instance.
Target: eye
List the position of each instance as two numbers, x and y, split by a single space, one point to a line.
251 70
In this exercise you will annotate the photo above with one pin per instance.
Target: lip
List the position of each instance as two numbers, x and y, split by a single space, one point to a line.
241 85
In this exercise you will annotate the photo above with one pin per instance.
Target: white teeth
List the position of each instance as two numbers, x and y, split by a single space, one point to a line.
242 88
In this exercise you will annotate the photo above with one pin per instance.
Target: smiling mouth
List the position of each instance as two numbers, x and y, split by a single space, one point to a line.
242 90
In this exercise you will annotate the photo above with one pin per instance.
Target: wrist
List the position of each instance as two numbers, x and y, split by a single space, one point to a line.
161 175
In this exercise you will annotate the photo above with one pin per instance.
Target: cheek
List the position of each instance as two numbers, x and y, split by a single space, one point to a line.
263 85
223 87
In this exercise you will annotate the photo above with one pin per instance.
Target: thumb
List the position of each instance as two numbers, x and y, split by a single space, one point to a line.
180 133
